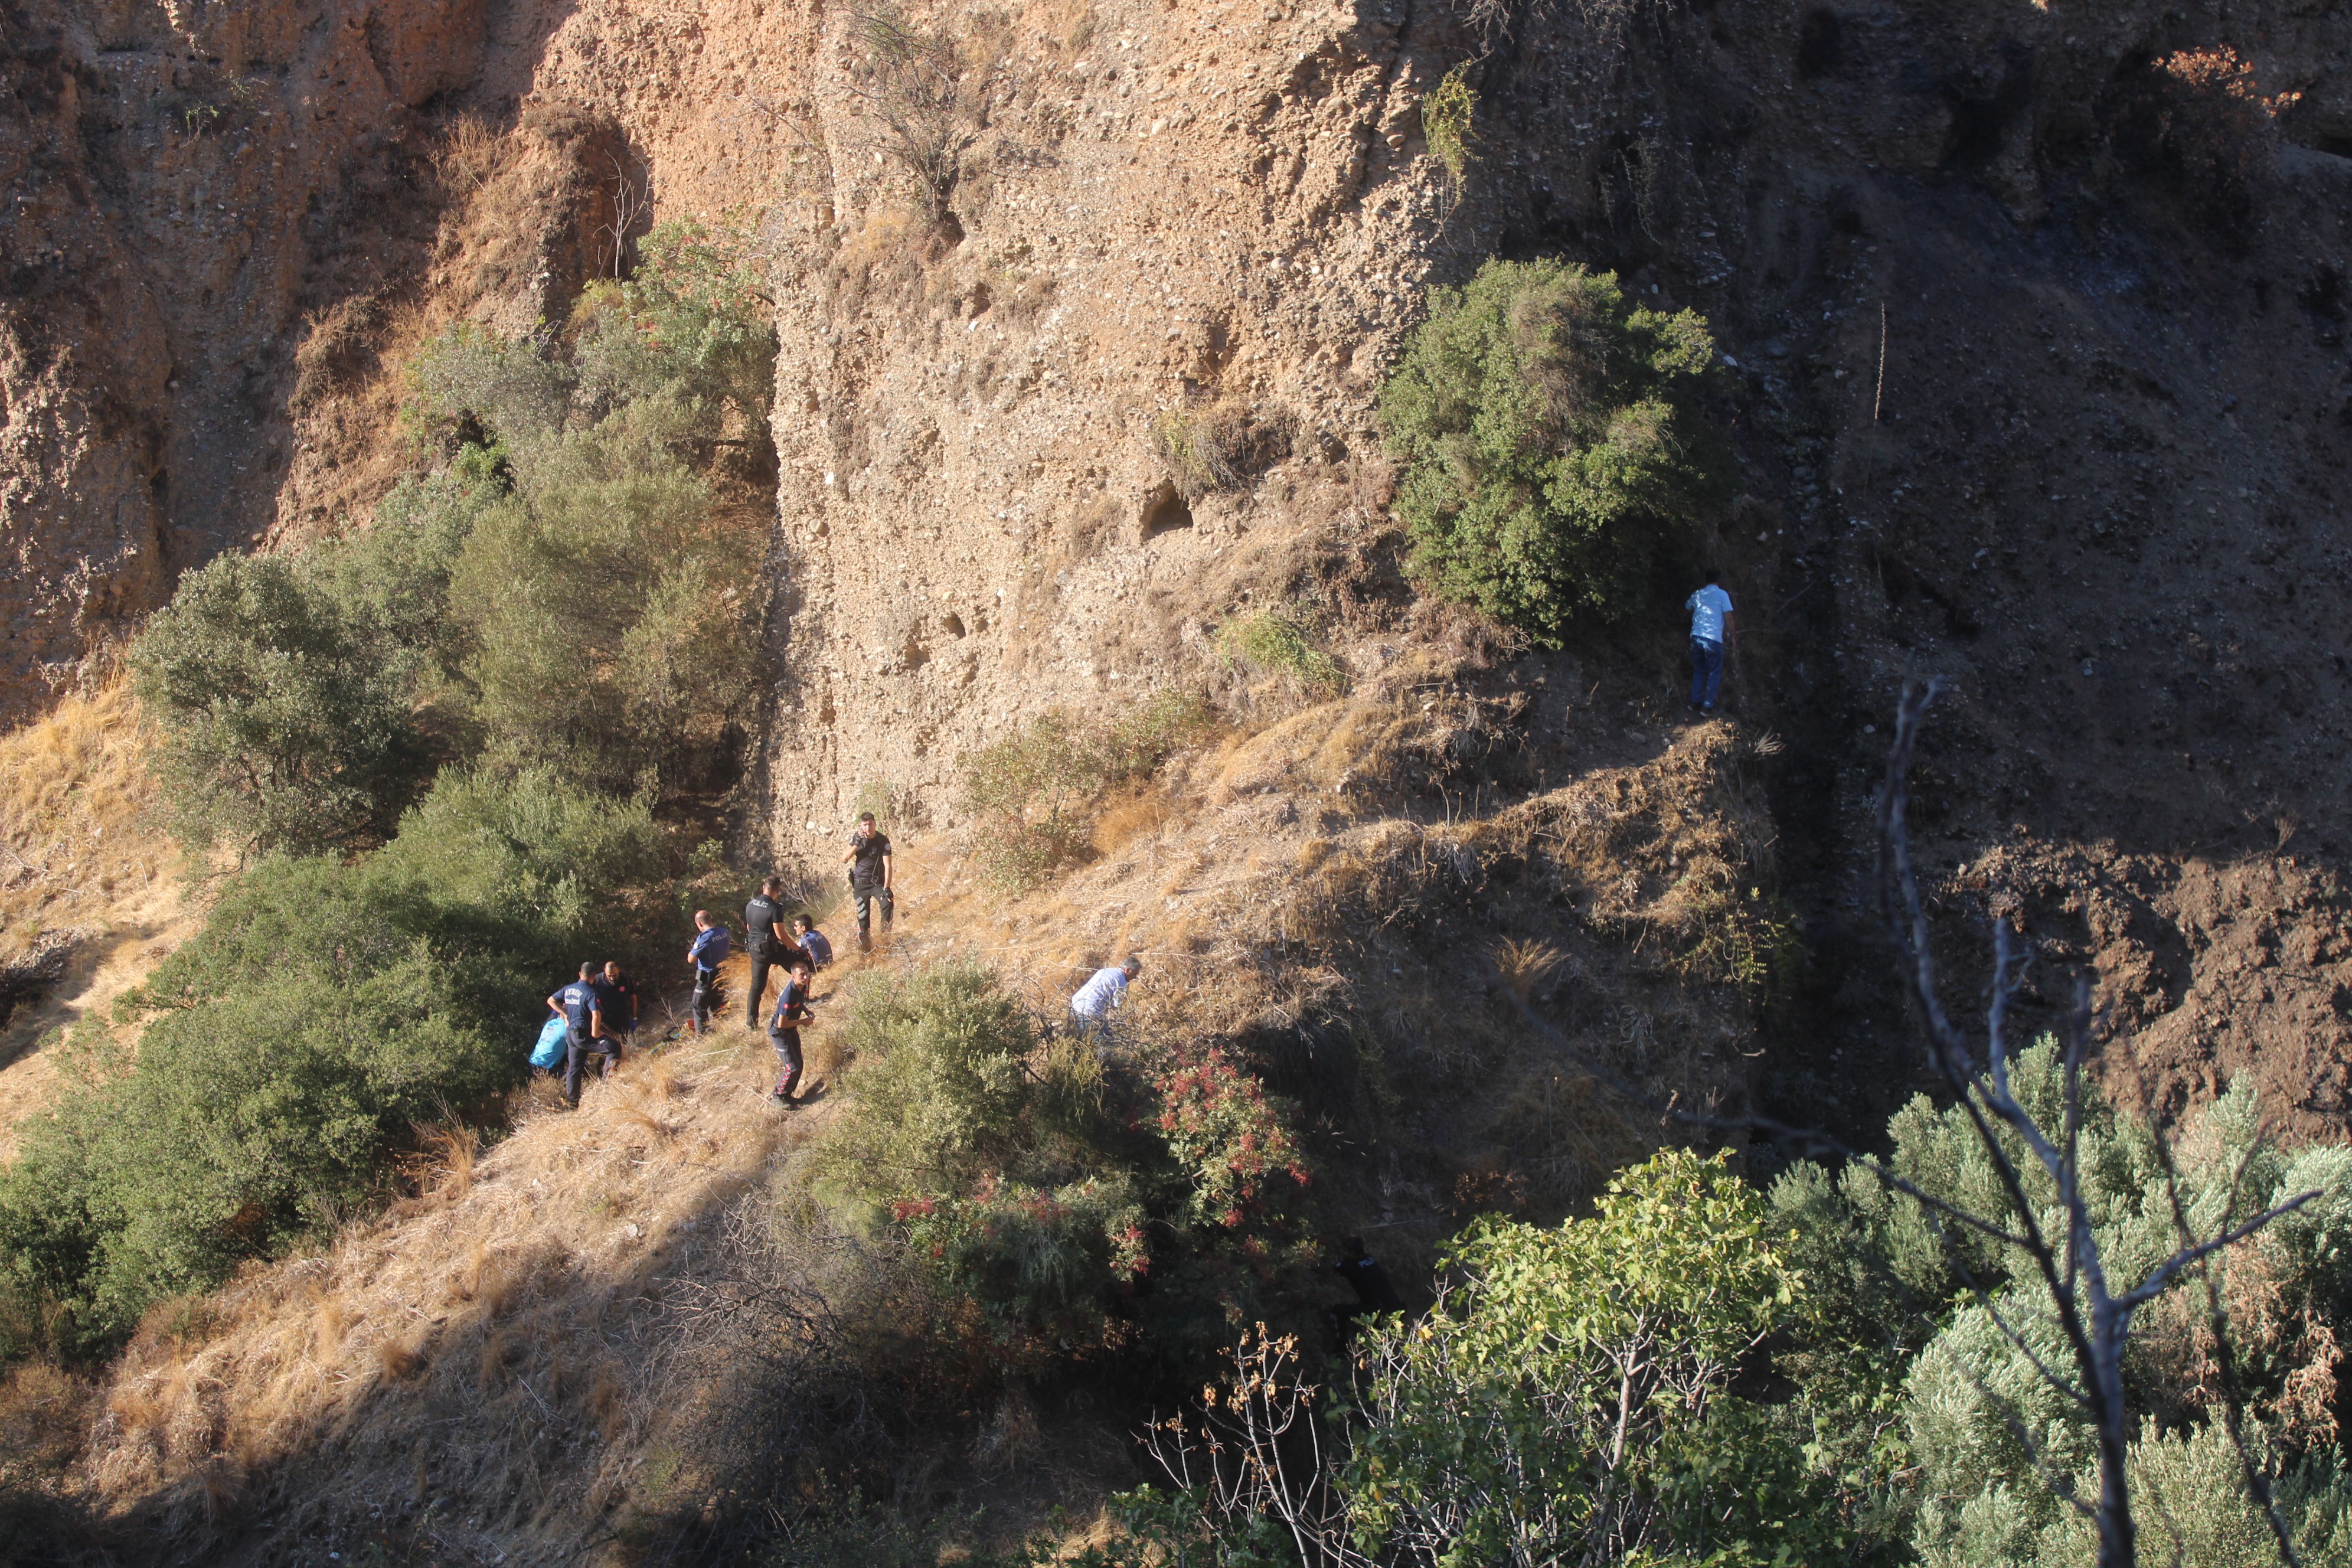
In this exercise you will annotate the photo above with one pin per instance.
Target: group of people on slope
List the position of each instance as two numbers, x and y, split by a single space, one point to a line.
776 942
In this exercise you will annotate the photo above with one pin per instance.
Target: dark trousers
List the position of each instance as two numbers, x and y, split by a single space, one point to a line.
868 896
1706 672
706 994
762 960
577 1048
788 1059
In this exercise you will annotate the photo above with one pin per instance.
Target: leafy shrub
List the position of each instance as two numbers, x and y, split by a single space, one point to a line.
1025 1173
605 612
1447 113
1035 793
284 726
980 1146
481 385
1218 447
1552 442
687 324
1273 642
1570 1401
324 1010
1980 1430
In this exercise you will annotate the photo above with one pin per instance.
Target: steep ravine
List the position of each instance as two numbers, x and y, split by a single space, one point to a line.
2032 388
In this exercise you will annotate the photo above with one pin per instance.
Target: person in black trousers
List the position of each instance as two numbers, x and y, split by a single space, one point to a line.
870 867
581 1004
767 942
784 1028
1375 1292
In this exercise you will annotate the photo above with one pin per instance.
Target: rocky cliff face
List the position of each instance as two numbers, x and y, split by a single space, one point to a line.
2038 314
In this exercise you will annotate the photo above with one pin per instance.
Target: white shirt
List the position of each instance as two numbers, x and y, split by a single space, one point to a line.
1707 608
1100 995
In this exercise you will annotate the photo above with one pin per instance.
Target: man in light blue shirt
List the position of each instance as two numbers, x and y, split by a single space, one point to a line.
1710 613
1090 1007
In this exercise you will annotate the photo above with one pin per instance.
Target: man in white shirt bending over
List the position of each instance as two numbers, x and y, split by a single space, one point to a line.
1710 613
1090 1007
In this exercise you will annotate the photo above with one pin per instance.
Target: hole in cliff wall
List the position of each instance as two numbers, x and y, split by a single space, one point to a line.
954 625
1820 42
1165 511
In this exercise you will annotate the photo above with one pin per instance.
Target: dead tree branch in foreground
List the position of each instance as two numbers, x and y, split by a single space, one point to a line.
2094 1314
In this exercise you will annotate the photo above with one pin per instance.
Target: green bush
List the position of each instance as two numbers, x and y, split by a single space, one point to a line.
689 323
1275 642
1447 113
1570 1401
285 728
1034 794
1553 445
1973 1423
1026 1174
325 1009
985 1147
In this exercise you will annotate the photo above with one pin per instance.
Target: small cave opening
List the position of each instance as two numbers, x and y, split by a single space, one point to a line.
1820 42
1165 511
953 624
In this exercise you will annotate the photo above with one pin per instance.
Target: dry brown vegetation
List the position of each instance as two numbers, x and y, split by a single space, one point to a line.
89 895
484 1362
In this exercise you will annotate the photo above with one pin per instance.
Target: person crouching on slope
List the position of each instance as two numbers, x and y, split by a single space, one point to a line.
711 941
785 1028
811 941
1091 1005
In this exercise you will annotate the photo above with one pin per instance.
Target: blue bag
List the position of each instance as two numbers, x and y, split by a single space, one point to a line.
549 1052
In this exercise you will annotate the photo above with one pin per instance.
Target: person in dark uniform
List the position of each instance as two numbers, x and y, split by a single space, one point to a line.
710 950
1375 1293
868 859
584 1028
620 1001
768 940
785 1028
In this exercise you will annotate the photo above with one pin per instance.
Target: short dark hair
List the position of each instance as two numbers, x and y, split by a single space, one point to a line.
1353 1245
587 968
801 919
1712 574
770 884
865 816
801 960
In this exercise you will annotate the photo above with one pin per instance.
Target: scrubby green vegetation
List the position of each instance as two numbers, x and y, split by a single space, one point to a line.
441 743
1596 1393
1061 1190
1554 446
1448 111
327 1009
1035 793
1276 643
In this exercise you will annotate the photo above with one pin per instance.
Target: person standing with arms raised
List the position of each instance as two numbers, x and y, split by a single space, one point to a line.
767 940
868 859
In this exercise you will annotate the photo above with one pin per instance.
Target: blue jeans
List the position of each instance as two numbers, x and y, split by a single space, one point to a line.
1706 672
